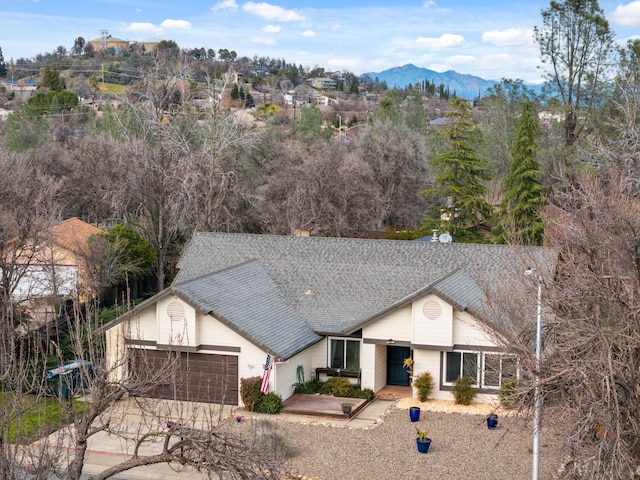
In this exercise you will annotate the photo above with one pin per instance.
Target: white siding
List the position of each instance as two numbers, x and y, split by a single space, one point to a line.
467 331
143 326
429 361
176 322
319 356
287 372
381 367
396 325
368 365
432 322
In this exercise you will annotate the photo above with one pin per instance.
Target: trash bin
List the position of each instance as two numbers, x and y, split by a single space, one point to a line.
70 378
62 382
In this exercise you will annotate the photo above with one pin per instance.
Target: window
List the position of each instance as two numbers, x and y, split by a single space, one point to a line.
344 354
494 369
498 368
461 364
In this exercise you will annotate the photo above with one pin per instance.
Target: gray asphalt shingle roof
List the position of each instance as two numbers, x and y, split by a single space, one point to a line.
278 290
246 299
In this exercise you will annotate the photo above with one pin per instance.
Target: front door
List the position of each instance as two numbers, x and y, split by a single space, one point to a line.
396 373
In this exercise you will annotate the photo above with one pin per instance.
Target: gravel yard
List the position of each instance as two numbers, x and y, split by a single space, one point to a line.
462 448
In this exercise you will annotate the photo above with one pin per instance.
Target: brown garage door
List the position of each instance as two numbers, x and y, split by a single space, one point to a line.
193 377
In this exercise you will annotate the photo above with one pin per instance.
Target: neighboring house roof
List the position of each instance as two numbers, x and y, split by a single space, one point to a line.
73 234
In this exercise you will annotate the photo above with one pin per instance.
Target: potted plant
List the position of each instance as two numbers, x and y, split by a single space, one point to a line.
414 413
346 407
422 440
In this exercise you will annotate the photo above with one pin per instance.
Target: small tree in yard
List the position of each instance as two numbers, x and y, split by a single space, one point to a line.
424 385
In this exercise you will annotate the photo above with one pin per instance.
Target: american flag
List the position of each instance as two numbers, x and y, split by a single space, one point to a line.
264 387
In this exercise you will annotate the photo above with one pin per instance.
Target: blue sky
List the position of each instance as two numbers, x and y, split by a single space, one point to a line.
490 39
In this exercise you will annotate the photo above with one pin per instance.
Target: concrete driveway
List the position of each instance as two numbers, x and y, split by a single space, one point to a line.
134 416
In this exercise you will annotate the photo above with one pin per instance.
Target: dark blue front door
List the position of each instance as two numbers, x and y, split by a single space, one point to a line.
396 373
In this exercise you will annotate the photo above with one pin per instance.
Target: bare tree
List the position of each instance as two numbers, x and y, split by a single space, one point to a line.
590 366
575 46
398 158
326 189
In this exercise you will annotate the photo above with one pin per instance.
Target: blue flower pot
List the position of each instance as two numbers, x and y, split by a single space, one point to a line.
414 413
492 421
423 447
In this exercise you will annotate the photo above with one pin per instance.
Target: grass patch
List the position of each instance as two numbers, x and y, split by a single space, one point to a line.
35 416
114 88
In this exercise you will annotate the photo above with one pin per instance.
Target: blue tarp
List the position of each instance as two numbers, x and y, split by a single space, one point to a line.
68 367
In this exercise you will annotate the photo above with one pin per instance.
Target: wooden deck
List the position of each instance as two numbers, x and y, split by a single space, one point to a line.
327 406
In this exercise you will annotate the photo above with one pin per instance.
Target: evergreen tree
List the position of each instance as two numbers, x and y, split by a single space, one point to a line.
235 92
460 171
523 195
51 78
3 65
389 107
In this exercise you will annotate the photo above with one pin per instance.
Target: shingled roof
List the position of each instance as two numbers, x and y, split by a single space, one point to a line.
249 302
279 290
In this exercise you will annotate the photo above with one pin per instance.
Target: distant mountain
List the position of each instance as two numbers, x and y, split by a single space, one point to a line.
465 86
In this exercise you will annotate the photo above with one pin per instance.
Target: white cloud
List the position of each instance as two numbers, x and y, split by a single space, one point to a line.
272 28
151 29
344 63
509 37
225 5
461 59
263 40
428 3
142 27
176 24
627 15
308 33
443 42
272 12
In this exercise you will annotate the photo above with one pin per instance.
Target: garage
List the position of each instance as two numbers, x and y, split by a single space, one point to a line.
185 376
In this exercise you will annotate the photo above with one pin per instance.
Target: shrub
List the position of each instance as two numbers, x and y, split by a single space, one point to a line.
463 390
250 392
309 387
338 386
424 384
269 403
366 394
507 390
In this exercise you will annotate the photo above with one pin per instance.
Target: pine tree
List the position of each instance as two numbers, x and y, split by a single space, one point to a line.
51 78
3 65
461 171
523 194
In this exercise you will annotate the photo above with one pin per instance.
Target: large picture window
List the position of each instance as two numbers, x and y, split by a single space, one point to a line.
498 368
344 353
487 370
